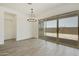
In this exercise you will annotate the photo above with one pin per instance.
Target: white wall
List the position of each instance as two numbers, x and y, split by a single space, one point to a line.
24 29
35 31
1 27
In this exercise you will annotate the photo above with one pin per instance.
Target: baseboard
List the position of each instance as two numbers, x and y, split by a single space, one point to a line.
33 38
10 38
26 39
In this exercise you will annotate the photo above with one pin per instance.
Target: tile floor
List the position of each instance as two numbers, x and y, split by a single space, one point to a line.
34 47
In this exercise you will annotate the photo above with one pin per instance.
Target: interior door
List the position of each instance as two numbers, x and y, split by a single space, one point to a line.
10 26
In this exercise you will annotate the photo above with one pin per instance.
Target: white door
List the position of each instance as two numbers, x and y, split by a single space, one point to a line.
10 26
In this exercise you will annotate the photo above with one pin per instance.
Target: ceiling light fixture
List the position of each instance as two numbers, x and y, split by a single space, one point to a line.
31 17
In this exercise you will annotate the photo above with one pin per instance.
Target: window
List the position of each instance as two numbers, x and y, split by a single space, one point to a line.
50 28
68 28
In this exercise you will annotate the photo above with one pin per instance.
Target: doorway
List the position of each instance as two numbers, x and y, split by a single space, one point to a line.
9 29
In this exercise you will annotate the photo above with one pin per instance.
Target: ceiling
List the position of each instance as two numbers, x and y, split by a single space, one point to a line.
39 8
23 7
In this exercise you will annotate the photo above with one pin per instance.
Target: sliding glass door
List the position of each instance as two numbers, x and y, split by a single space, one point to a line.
51 28
68 31
48 29
68 28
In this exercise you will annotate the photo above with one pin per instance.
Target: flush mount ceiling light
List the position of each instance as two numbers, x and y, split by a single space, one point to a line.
31 15
29 3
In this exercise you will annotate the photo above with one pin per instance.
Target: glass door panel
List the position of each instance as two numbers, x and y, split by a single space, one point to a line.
50 28
68 28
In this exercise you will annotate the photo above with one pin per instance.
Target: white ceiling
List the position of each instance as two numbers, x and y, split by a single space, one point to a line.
39 8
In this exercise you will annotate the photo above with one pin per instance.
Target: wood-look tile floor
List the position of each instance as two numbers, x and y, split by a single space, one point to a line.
34 47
